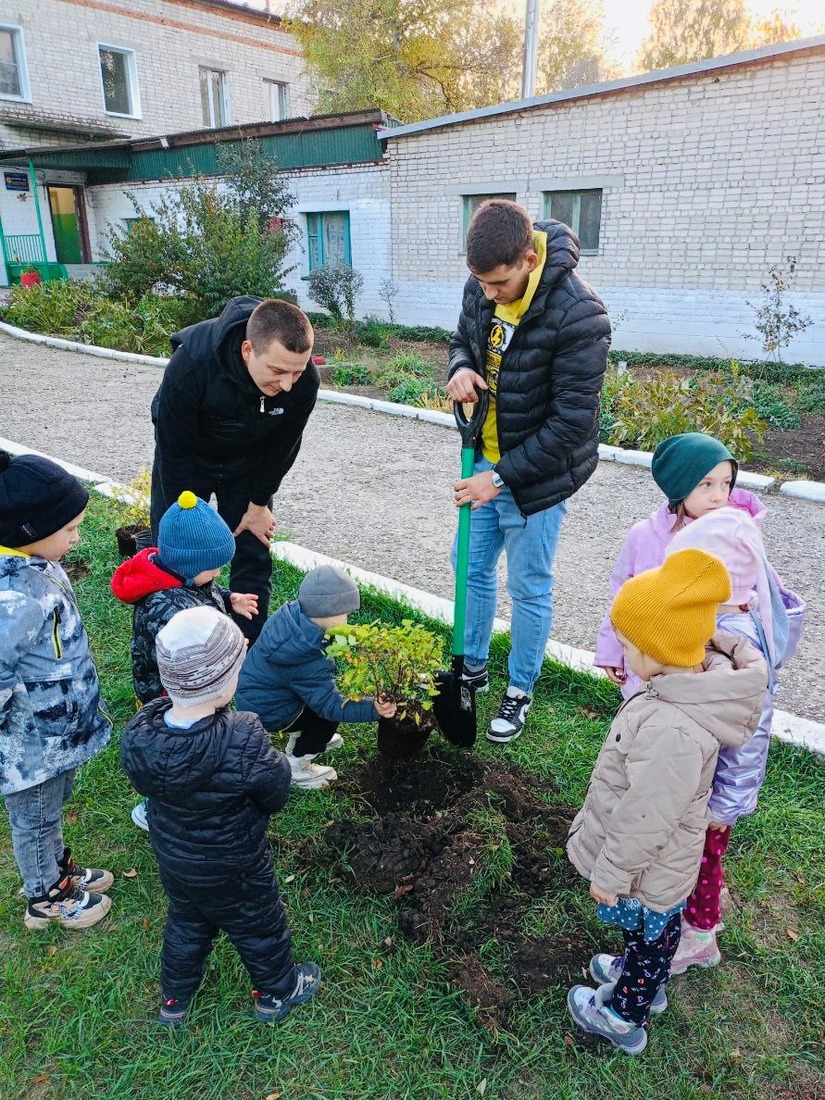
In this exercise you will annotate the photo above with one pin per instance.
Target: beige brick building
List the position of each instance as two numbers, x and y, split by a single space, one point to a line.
74 70
685 186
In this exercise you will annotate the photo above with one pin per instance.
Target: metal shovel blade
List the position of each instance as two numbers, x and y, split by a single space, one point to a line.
455 706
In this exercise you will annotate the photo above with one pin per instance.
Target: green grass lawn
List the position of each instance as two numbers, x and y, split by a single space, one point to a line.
78 1010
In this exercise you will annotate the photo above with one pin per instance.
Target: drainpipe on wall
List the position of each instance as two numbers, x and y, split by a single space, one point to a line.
37 210
531 49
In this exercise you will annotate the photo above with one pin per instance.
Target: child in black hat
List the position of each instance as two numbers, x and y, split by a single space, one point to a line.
194 544
288 680
51 720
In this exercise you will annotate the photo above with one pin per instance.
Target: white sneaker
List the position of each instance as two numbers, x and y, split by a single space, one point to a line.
138 815
335 742
512 713
308 775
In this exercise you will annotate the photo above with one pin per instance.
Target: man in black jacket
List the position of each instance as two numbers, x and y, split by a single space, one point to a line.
229 417
535 336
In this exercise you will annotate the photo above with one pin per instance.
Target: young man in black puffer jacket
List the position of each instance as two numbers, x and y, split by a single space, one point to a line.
213 780
535 336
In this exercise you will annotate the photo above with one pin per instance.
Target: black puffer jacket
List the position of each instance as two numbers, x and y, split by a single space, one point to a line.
548 387
211 420
211 790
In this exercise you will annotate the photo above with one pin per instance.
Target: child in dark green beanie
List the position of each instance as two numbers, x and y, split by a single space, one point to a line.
697 474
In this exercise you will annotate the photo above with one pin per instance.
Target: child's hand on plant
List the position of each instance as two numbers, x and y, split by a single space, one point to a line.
386 707
615 673
602 896
244 603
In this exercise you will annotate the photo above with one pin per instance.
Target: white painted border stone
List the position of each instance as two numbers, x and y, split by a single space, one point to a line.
801 732
804 490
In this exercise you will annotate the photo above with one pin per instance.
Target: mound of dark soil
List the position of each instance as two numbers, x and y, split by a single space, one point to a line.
434 841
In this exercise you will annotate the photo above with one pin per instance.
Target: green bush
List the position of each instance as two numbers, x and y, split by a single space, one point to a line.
373 332
351 374
50 308
83 311
646 411
771 406
336 287
811 397
402 366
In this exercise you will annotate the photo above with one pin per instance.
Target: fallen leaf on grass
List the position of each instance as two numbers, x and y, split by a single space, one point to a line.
792 934
481 1087
131 873
378 964
287 880
41 1080
51 950
147 924
273 1096
591 714
113 928
71 818
400 891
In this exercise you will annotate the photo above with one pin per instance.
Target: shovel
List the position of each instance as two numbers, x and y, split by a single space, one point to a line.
455 705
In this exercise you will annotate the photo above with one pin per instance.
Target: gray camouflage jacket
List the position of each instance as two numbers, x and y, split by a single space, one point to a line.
51 719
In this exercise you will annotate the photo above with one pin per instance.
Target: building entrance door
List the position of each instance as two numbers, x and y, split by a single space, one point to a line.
68 222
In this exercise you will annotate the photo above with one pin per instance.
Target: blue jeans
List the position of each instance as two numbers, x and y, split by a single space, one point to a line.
530 544
37 832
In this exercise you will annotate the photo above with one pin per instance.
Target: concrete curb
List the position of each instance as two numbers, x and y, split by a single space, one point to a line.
813 491
800 732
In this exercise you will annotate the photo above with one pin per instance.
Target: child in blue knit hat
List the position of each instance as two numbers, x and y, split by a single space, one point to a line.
194 544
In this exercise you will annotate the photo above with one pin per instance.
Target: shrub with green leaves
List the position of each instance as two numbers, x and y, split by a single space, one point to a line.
772 407
396 662
646 411
351 374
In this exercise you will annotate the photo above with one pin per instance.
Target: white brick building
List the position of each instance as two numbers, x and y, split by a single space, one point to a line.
685 184
75 70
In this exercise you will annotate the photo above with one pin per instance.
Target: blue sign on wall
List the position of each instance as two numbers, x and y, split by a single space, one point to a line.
16 181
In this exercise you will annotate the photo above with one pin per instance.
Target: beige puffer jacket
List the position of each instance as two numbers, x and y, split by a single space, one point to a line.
641 830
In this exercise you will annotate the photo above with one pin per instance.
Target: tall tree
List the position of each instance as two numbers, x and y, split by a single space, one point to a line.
414 58
776 28
573 45
691 30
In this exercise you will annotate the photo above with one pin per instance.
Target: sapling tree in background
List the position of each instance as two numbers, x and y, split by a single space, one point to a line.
777 320
388 291
398 663
336 287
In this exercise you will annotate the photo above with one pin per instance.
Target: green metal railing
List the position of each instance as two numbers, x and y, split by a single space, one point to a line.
24 248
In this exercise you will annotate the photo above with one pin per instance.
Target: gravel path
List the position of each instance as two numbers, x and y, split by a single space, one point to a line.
375 491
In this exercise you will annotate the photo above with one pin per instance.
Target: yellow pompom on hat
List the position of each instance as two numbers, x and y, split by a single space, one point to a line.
192 538
669 613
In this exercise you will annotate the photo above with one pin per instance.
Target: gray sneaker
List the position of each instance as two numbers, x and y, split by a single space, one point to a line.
512 713
607 970
588 1008
269 1008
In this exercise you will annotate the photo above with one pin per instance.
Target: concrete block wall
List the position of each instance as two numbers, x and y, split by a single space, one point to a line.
707 180
171 39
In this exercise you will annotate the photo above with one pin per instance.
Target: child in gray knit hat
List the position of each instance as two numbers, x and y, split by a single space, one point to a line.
288 680
213 780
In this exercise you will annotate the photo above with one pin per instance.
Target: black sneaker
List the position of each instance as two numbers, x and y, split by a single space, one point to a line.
172 1011
269 1008
478 678
509 721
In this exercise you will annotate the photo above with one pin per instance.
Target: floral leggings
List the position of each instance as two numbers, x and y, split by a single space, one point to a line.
703 909
645 967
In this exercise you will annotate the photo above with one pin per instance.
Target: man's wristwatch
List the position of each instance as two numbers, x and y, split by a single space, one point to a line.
497 481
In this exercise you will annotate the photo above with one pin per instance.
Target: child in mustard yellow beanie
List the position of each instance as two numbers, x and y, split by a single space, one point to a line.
638 838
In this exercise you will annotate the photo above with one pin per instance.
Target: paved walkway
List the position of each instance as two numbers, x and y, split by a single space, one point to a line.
375 491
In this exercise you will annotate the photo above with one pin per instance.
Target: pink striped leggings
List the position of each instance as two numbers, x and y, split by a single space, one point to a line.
703 909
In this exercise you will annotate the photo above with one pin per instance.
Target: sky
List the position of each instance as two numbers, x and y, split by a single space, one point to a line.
626 20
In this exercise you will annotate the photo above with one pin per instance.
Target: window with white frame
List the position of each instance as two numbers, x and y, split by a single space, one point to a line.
328 241
118 74
14 82
581 210
278 100
213 98
472 203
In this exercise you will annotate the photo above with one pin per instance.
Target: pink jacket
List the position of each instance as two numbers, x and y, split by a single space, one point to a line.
644 549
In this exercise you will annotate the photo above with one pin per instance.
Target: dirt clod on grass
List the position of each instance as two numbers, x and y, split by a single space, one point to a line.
472 854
